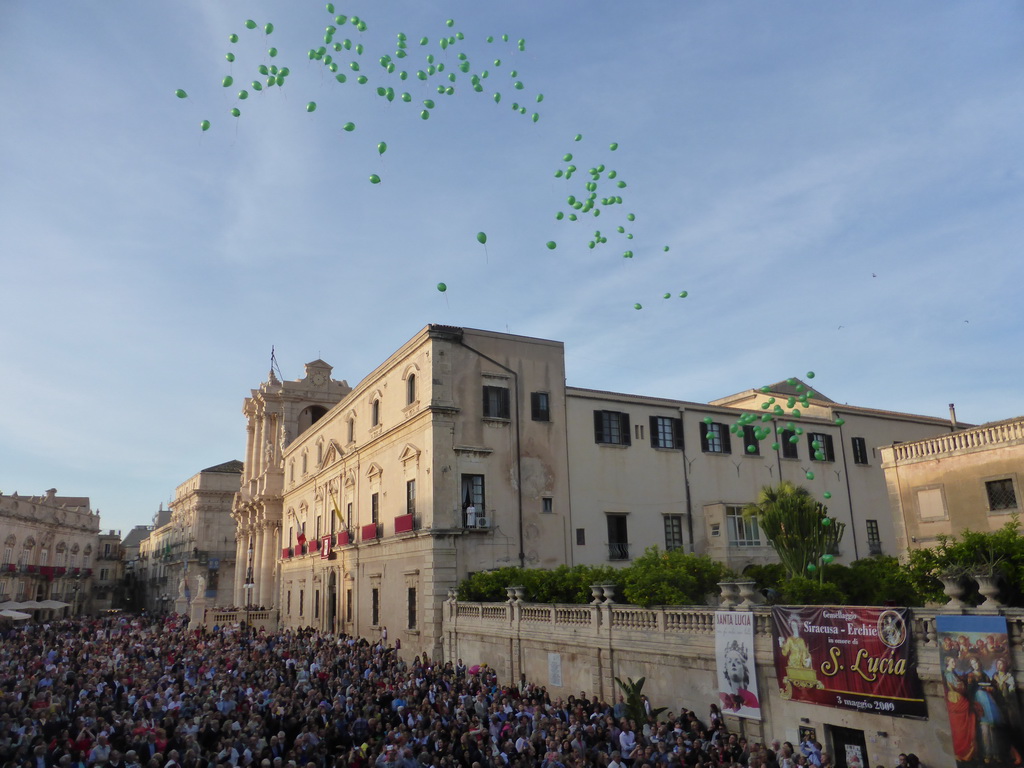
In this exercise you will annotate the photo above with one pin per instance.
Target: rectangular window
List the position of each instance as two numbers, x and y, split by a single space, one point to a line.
540 407
860 450
673 532
618 538
302 601
714 438
751 445
348 605
375 606
790 439
316 604
496 403
874 538
412 607
819 445
638 431
104 574
44 557
472 496
8 554
581 537
288 603
1001 495
611 427
410 497
106 550
547 505
348 516
743 531
666 432
374 507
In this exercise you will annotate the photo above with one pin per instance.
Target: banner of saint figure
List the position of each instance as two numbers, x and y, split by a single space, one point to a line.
981 691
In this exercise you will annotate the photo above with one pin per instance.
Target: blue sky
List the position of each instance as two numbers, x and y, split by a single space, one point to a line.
839 185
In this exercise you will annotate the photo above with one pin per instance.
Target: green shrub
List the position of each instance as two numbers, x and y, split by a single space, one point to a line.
672 578
803 591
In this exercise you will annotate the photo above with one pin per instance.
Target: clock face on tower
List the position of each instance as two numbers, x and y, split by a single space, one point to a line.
319 378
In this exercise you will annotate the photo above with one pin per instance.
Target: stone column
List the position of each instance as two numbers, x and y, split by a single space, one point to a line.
268 565
241 563
257 563
250 451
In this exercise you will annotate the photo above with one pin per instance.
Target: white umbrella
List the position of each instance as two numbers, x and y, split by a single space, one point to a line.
53 604
9 604
15 615
31 604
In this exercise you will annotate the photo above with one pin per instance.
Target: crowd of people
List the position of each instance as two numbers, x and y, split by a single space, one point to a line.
124 692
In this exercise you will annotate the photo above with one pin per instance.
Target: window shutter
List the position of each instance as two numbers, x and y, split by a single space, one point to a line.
598 426
627 439
830 454
810 446
704 437
654 432
486 401
535 405
677 433
503 409
726 440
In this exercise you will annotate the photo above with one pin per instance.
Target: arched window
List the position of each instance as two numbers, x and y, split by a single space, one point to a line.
410 388
375 413
352 429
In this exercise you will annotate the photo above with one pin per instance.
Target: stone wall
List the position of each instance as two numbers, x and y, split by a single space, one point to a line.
577 648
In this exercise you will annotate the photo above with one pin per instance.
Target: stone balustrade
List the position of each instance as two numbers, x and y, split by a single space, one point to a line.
988 436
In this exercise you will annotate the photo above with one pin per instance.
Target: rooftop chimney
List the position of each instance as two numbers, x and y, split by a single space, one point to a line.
952 415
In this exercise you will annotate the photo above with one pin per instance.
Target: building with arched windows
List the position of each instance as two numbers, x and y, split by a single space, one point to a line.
49 549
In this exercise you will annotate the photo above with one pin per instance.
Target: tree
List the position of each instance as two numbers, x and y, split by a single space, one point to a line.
635 708
798 528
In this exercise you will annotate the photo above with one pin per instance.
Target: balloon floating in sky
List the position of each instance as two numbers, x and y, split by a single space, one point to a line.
552 245
638 306
683 294
181 94
205 125
374 178
349 127
442 287
250 24
481 237
382 147
311 107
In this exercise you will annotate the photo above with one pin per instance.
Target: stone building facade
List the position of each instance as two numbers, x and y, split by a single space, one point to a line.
49 549
949 483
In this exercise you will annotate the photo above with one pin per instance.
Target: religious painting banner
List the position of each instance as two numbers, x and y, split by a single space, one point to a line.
847 657
734 654
981 691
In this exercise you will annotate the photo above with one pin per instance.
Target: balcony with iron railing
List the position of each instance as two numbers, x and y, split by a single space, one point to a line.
618 550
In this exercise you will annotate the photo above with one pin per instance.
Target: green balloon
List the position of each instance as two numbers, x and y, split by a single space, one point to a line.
497 98
535 117
227 81
205 125
826 559
826 521
250 24
340 77
579 137
481 237
810 374
827 494
263 69
812 567
361 79
540 97
268 28
311 107
450 22
775 446
559 216
428 103
181 94
233 38
257 85
354 66
665 249
330 7
272 52
840 422
425 114
638 306
667 296
504 38
374 178
349 127
406 97
518 85
442 287
683 294
552 245
243 95
613 146
810 475
423 41
236 112
382 147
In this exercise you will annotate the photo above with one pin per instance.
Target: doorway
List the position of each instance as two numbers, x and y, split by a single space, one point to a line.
849 748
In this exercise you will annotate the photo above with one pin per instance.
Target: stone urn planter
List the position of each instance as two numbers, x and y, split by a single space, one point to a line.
989 587
749 596
730 593
955 587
